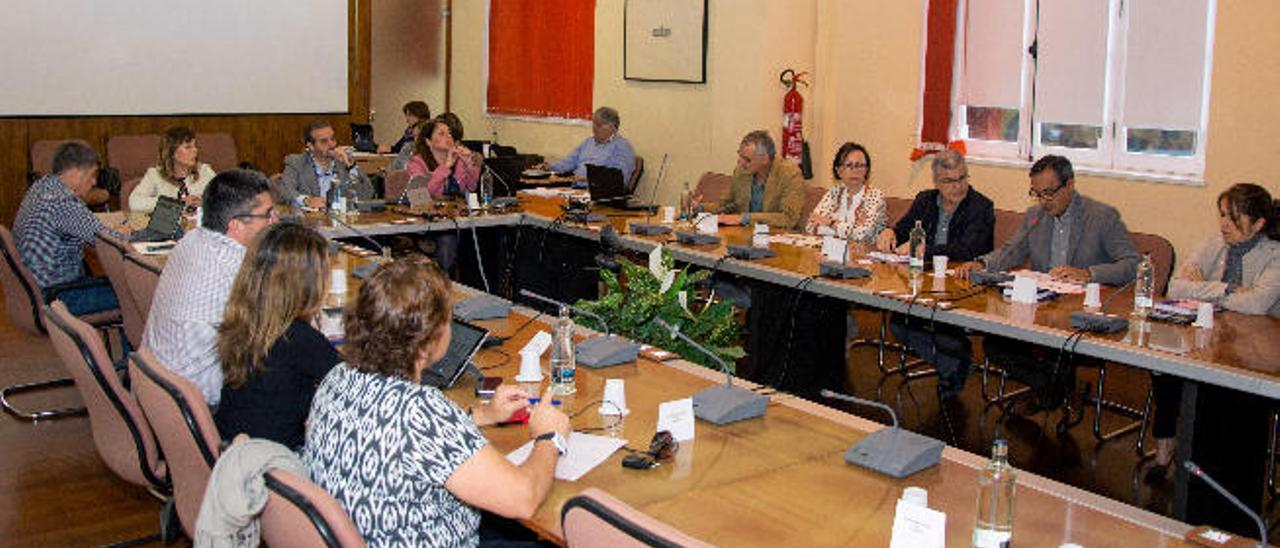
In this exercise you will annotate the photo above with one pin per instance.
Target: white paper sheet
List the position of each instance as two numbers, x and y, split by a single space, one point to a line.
585 452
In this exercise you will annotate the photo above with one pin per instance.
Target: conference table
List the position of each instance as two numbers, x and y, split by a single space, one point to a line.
788 466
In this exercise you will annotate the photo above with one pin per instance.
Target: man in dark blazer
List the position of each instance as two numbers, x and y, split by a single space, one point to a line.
1073 238
311 176
959 222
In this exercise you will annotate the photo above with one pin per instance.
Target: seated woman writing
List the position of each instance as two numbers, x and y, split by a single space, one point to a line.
851 208
410 466
272 355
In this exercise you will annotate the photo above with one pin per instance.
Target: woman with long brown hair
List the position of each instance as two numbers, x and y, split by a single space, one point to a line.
272 355
436 156
177 173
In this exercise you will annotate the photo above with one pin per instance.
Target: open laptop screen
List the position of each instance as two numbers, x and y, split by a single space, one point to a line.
465 341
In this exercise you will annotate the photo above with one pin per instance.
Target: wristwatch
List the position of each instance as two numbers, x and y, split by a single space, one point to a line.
556 439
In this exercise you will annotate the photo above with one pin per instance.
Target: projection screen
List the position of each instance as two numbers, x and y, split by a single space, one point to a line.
140 57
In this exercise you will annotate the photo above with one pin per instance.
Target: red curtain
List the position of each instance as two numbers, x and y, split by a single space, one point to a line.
541 57
939 61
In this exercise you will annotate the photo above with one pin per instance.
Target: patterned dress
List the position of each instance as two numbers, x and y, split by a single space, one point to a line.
384 447
859 220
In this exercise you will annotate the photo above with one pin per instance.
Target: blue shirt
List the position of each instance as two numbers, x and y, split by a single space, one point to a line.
615 153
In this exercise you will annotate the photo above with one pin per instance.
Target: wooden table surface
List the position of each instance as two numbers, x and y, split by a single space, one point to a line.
781 480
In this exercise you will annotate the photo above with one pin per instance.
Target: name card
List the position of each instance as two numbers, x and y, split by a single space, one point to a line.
833 248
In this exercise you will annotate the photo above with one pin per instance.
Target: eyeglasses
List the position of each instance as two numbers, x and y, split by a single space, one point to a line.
1045 194
953 180
855 165
663 446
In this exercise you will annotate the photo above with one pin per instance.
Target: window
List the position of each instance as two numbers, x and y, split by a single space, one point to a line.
541 58
1119 86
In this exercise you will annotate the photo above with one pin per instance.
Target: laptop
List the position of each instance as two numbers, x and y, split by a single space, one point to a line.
463 345
165 223
607 188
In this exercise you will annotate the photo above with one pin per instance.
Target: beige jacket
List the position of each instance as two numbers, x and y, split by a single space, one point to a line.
1260 292
783 196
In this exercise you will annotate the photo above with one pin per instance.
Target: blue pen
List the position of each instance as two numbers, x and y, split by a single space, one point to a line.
534 401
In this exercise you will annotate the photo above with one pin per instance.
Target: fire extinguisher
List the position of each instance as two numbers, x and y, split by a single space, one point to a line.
793 116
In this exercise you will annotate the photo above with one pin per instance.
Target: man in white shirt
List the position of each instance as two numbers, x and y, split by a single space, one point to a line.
182 328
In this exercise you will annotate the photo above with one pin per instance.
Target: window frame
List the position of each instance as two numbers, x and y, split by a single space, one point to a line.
1112 157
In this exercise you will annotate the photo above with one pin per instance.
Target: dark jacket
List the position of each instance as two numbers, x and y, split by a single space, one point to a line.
970 234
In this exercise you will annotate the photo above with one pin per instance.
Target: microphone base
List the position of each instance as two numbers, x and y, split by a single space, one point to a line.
481 307
696 238
986 277
725 404
843 271
895 452
647 229
750 253
599 352
1097 322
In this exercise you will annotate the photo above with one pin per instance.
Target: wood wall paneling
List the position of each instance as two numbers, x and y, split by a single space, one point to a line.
262 139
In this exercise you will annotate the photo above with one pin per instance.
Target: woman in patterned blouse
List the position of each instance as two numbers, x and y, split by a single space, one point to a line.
851 209
410 467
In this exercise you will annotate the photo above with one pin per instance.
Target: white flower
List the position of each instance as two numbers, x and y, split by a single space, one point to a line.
684 300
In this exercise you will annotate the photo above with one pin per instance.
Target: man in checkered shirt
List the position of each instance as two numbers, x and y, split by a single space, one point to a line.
53 226
182 327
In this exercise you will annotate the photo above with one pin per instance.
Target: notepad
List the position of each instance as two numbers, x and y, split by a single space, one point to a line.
586 451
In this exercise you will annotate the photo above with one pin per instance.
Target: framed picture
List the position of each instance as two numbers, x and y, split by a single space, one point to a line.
665 41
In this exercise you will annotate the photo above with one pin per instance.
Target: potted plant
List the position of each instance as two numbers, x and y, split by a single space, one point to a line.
662 291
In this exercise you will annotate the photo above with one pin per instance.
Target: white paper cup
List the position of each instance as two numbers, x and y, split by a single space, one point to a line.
1093 295
917 496
668 214
939 265
338 281
1204 315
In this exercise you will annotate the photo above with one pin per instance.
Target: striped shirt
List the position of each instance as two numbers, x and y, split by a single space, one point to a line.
50 231
182 329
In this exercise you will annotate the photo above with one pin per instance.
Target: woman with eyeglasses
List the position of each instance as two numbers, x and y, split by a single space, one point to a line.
176 174
851 209
271 352
1237 269
409 465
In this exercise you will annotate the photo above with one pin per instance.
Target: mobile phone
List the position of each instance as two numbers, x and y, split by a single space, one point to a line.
487 385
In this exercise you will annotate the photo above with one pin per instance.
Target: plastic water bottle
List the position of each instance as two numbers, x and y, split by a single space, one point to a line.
1144 288
563 362
686 202
916 247
994 524
486 190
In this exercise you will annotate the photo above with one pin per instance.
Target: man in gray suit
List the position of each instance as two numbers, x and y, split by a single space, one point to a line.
309 177
1068 235
1073 238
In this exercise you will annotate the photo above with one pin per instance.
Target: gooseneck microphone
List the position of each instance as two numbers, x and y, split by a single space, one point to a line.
385 252
720 403
595 352
829 394
647 228
891 451
1198 472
